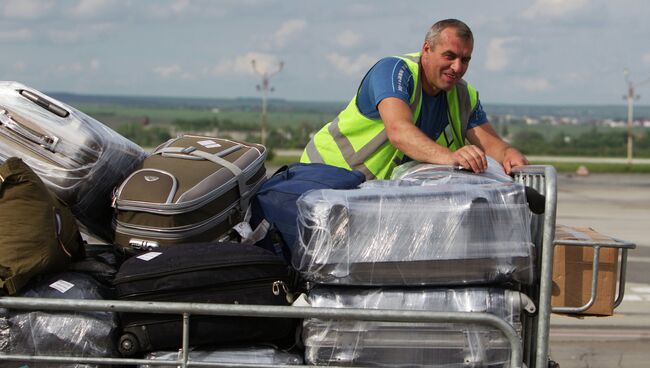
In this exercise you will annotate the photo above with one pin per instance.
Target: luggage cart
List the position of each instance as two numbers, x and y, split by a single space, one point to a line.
531 350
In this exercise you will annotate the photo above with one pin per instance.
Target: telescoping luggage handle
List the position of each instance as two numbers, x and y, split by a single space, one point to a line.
45 141
44 103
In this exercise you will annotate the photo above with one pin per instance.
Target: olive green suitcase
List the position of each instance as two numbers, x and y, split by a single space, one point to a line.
190 189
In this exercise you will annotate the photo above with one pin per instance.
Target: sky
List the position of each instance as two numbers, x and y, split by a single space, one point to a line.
525 51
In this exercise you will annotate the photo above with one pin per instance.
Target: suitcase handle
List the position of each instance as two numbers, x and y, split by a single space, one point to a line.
45 141
44 103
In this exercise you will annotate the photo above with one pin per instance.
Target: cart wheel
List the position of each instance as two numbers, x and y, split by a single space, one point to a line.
128 345
553 364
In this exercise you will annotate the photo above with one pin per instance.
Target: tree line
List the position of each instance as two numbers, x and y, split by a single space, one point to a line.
593 142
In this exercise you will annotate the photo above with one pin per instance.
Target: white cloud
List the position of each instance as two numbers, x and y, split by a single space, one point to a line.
646 58
74 68
554 8
95 64
167 71
16 35
287 31
264 63
348 66
20 66
26 9
64 35
180 6
498 55
533 84
79 67
182 10
348 38
77 34
86 9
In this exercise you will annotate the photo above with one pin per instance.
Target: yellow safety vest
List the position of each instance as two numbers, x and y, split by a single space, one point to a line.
355 142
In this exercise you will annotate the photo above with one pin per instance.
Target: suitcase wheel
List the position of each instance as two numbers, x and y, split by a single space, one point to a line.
128 345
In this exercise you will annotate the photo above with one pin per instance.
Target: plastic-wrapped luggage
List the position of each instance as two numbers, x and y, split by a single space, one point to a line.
407 233
444 174
235 355
66 333
399 344
78 158
190 189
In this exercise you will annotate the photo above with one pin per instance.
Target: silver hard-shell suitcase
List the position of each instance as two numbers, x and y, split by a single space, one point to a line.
78 158
397 234
253 354
399 344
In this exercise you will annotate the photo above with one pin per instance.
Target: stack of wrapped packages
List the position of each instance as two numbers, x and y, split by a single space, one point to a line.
431 239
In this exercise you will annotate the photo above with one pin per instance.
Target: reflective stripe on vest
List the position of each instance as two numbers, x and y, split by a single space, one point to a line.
375 150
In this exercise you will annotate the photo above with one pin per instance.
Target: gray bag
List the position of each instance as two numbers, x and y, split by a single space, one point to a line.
191 189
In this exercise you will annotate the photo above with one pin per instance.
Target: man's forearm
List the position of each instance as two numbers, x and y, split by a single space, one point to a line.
416 145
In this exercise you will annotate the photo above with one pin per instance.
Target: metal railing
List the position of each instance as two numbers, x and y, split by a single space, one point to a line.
624 246
188 309
531 350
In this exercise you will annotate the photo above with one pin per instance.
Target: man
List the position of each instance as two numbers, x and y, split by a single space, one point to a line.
415 107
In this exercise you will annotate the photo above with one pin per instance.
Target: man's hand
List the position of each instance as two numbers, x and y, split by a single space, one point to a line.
470 157
512 158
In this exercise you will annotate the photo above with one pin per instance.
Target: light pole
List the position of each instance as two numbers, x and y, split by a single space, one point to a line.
264 88
631 96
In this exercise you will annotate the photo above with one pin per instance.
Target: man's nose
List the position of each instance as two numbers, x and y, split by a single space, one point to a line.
457 65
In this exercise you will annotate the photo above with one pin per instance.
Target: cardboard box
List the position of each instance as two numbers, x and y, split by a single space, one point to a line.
572 270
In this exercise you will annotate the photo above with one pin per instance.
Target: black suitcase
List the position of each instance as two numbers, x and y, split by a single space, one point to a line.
226 273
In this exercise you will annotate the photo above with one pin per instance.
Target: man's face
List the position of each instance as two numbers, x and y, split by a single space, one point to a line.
446 63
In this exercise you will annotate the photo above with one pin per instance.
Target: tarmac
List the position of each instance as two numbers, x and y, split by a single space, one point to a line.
619 206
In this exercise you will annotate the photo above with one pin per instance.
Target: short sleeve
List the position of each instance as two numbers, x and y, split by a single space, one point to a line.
390 77
479 117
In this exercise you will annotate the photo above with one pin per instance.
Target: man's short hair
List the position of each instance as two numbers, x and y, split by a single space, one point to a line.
462 31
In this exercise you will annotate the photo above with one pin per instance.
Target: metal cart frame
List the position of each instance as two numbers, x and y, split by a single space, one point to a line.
531 350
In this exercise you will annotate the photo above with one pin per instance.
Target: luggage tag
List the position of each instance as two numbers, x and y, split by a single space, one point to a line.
62 286
248 235
149 256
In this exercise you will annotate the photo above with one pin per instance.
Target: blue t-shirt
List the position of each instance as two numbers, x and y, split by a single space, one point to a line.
391 77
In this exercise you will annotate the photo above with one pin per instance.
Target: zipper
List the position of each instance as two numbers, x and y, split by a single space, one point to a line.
279 286
177 294
123 205
177 232
226 264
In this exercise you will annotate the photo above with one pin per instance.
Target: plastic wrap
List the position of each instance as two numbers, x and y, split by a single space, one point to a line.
444 174
236 355
410 234
393 344
62 333
77 157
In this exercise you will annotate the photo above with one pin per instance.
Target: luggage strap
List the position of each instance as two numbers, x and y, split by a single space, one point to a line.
184 152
